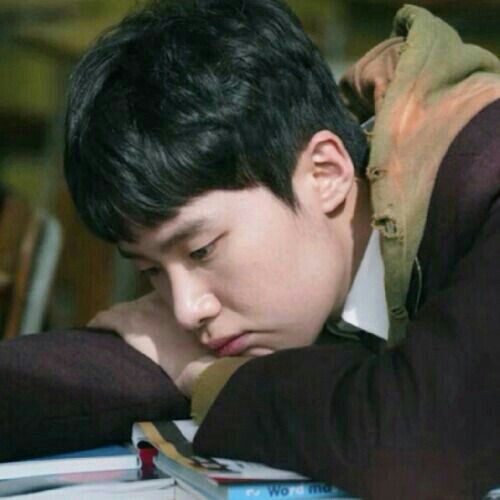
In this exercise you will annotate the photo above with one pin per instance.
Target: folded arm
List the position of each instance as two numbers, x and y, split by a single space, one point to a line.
149 326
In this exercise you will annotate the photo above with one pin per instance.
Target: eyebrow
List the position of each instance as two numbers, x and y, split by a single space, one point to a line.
183 232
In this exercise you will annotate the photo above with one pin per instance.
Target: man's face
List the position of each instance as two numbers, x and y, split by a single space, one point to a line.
244 272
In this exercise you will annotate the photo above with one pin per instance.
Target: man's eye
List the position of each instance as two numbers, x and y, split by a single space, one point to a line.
203 252
150 272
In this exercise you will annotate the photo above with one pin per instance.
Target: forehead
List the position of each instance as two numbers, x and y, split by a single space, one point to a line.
207 212
196 216
252 208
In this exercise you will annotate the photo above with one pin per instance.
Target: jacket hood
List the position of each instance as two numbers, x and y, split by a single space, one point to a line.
423 85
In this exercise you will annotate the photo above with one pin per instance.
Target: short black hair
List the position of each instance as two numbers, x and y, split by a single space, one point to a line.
182 98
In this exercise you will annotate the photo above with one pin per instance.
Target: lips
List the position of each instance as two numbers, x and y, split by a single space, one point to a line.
229 346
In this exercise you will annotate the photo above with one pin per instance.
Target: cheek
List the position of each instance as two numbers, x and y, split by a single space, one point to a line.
161 284
252 280
289 279
284 282
312 285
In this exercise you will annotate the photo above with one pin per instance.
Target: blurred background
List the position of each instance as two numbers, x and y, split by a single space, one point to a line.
40 41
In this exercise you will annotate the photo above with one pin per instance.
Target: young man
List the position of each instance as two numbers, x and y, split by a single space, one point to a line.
330 306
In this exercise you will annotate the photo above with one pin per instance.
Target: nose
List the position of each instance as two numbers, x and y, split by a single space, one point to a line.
193 301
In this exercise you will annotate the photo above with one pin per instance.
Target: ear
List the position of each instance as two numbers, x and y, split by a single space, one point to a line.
329 167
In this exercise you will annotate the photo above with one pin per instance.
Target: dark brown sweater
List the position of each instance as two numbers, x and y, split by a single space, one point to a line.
419 421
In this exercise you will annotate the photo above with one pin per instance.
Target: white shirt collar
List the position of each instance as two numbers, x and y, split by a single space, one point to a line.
365 306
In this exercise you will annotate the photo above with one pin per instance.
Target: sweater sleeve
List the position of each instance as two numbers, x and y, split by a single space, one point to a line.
417 421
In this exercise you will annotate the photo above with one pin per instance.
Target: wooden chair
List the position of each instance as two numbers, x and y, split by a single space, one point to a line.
30 244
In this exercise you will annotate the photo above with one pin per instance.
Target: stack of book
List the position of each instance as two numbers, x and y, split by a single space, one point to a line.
178 474
220 478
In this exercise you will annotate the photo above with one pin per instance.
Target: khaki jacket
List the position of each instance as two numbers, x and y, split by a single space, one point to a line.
423 86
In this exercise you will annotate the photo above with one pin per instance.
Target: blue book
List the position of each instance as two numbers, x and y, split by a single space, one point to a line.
106 458
196 488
